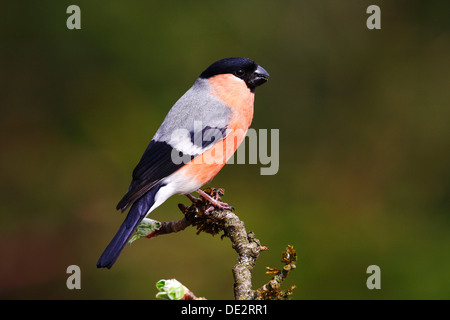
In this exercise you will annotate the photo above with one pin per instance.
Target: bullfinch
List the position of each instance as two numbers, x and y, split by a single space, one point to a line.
197 137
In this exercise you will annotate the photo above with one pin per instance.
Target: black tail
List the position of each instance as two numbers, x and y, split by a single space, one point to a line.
135 216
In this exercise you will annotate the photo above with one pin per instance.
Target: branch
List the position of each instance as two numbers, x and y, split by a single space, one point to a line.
171 226
211 219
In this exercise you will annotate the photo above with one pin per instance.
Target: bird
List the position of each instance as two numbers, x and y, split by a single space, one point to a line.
197 137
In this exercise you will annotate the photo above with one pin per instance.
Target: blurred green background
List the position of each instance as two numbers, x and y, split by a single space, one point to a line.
364 174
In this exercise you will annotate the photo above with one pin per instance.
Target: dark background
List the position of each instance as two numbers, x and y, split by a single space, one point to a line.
364 174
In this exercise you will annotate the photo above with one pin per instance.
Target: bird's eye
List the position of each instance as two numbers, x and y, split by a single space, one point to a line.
239 73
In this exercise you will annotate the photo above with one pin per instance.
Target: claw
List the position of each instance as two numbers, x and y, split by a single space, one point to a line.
208 210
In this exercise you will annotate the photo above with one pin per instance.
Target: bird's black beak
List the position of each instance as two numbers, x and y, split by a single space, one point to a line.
259 77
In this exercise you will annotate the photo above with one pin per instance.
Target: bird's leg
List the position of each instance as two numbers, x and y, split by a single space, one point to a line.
192 198
195 200
214 202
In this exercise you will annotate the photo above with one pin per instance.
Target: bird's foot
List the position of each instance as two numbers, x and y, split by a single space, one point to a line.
214 199
208 210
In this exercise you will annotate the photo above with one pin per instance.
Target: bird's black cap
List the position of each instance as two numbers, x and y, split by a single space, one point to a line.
246 69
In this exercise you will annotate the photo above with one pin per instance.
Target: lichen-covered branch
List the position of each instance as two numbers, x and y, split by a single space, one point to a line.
211 219
248 249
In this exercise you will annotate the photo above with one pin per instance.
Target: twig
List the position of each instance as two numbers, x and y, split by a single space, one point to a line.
170 227
271 290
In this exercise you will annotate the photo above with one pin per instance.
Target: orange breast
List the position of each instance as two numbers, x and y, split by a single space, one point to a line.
234 93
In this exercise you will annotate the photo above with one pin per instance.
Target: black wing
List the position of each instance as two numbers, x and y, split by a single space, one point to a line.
158 162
